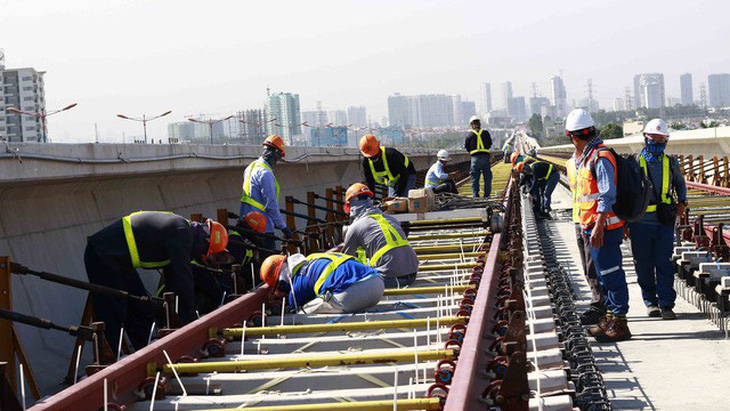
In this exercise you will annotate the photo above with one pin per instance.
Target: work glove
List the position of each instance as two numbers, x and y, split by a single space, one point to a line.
287 232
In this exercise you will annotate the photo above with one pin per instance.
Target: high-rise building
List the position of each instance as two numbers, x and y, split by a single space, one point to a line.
558 96
718 87
188 132
23 89
421 111
338 117
649 90
537 103
285 108
399 111
505 92
618 104
685 84
252 129
486 97
468 109
517 109
357 116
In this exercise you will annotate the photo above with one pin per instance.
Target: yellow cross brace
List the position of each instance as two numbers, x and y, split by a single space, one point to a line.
430 404
444 248
447 221
446 267
426 290
444 256
463 234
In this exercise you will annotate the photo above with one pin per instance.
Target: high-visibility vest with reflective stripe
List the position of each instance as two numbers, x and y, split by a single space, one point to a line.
651 208
480 144
432 183
246 196
573 183
392 238
589 193
336 260
132 244
385 177
550 170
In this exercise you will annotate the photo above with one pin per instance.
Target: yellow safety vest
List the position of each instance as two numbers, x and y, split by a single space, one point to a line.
550 171
337 259
573 182
132 244
246 196
480 144
651 208
385 177
392 238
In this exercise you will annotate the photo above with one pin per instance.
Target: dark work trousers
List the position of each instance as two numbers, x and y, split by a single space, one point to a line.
135 317
589 269
608 261
400 282
652 246
481 167
448 186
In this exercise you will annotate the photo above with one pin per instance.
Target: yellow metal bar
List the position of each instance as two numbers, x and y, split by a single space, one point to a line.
424 290
447 221
448 247
430 404
443 256
312 361
343 327
440 236
440 267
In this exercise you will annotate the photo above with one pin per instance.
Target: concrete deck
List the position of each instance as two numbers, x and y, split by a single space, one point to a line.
667 365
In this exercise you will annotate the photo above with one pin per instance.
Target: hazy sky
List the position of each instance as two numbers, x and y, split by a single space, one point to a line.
217 57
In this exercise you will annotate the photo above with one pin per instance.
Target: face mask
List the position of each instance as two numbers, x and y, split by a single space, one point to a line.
653 147
271 156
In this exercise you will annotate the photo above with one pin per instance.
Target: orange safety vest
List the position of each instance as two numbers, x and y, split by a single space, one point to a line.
589 193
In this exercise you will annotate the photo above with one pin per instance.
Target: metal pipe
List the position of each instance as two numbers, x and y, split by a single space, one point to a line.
437 289
81 331
342 327
318 207
432 403
447 235
311 361
440 267
447 221
431 248
304 216
320 197
444 256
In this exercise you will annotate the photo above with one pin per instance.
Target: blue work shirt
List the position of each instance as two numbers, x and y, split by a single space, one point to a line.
263 190
346 274
436 173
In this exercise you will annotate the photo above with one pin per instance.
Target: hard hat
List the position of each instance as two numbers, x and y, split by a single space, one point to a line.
443 155
275 141
218 237
369 145
473 119
255 220
270 269
520 166
513 157
657 126
579 119
356 190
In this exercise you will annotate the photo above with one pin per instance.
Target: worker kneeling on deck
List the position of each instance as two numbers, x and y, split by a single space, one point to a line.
387 166
542 179
437 179
323 282
152 240
380 237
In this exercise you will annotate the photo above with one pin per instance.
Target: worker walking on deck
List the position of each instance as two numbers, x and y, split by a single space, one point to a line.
151 240
543 178
596 170
437 179
477 143
652 237
387 166
323 282
261 189
380 237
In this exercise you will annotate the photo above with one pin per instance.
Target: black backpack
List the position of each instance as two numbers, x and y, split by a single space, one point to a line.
633 188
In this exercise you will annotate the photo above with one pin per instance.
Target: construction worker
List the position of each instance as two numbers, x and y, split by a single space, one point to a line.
508 147
380 236
597 308
438 180
387 166
477 143
242 246
543 178
323 282
261 189
652 237
597 177
151 240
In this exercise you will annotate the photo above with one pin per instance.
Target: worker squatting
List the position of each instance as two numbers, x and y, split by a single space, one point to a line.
593 178
192 255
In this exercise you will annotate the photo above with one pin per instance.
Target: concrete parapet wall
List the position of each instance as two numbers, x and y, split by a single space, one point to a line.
48 206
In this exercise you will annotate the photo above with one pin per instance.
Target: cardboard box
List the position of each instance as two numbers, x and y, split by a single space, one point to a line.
421 200
397 205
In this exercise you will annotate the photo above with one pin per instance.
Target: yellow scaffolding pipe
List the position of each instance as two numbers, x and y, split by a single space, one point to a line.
447 247
447 221
425 290
309 361
344 327
430 404
443 256
445 267
441 236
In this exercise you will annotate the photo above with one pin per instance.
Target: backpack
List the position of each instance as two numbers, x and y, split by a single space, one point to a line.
633 188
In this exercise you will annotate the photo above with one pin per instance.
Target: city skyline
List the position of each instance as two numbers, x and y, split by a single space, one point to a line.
162 65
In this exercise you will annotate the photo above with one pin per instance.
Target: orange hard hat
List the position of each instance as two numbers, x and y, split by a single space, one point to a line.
356 190
513 157
275 140
520 167
369 145
255 220
271 268
218 238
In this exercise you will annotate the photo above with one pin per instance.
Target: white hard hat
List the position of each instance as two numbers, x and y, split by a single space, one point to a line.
657 126
473 119
443 155
579 119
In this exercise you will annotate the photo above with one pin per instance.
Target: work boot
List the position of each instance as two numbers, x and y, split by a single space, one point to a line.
618 330
603 323
591 316
668 314
653 311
